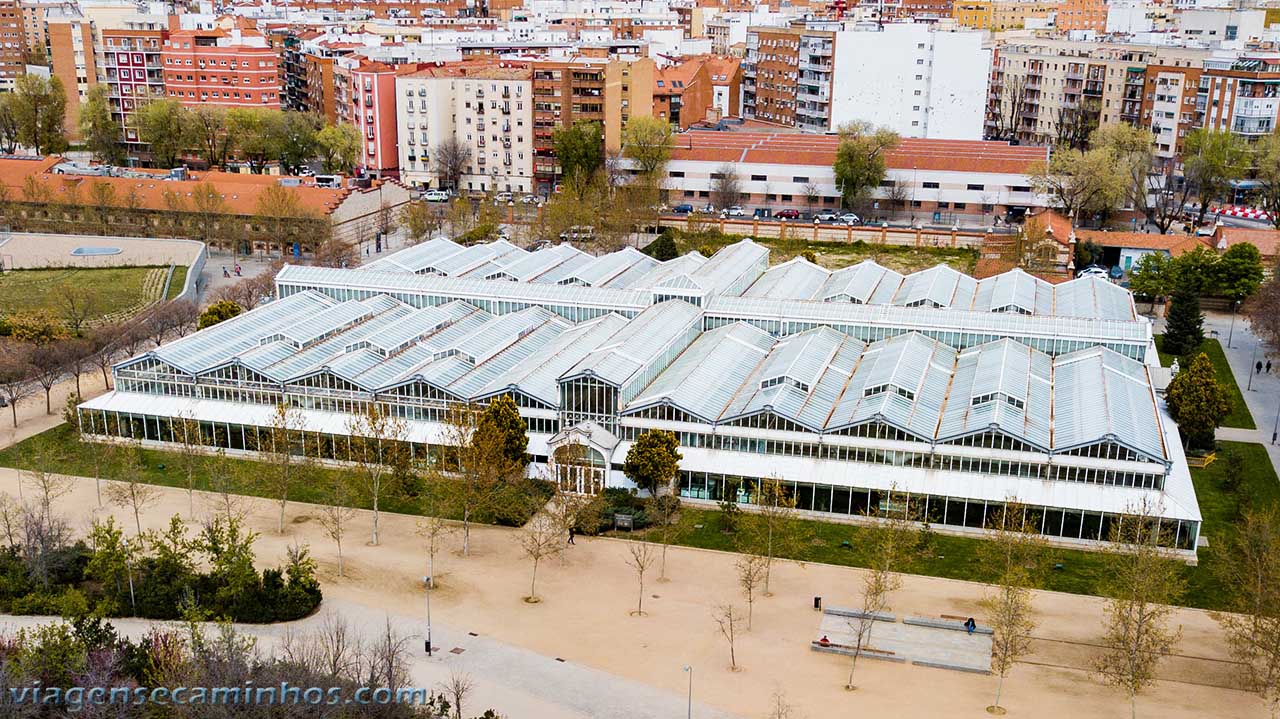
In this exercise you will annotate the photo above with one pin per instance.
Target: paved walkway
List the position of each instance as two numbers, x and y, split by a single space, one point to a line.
1261 391
915 643
514 681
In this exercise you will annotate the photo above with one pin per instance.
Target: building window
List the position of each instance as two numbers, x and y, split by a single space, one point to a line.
929 185
759 178
978 188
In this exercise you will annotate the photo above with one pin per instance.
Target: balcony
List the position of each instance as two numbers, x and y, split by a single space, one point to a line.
1253 126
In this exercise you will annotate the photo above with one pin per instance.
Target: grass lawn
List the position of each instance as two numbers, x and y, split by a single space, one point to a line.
118 289
165 468
179 279
1240 416
957 557
947 556
834 255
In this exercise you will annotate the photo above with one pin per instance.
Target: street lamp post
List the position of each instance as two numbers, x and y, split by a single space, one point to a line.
426 582
689 709
1253 360
1231 332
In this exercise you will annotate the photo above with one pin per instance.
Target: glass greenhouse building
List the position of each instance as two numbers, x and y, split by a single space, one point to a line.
846 385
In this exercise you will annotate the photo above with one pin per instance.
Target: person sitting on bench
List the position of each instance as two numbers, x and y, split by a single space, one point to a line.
970 625
824 641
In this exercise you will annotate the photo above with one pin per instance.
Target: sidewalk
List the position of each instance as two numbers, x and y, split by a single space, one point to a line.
1263 399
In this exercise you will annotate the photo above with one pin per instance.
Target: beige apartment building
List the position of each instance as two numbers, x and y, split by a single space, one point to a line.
1050 91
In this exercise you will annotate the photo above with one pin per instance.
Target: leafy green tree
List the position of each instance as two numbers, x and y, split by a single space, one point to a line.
299 141
860 165
646 141
502 417
1197 402
1088 253
259 134
1198 268
663 248
8 124
579 148
653 461
217 312
1080 182
109 563
39 111
162 124
1211 159
1266 171
1184 328
1152 276
98 128
1237 275
209 132
339 147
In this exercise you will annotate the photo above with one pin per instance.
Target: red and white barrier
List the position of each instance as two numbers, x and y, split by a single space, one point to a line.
1248 213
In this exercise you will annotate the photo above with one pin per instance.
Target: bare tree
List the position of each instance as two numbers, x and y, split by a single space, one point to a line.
890 538
77 358
38 460
433 531
1016 549
780 708
773 528
1141 583
228 484
457 687
729 619
1250 570
130 489
541 539
663 509
726 186
751 571
386 659
77 304
640 559
190 444
379 448
15 373
284 469
451 158
336 510
1006 113
48 367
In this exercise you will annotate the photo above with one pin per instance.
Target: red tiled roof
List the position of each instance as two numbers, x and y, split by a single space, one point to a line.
1173 244
806 149
1267 241
240 192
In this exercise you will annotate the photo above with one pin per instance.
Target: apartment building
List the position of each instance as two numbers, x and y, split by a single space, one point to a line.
683 94
13 43
976 15
628 87
1170 107
913 79
1017 14
1240 94
33 27
233 67
786 77
726 85
71 57
564 92
485 106
308 76
1082 15
1047 91
365 97
130 64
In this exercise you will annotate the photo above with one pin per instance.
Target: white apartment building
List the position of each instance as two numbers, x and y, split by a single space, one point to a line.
487 108
918 81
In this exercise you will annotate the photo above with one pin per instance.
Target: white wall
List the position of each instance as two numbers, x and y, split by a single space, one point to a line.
915 81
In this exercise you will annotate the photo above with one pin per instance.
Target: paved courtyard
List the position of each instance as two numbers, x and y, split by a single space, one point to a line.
938 646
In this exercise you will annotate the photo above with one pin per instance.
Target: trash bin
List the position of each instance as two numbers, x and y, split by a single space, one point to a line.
817 603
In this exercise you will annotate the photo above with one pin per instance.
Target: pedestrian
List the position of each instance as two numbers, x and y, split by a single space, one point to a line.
970 625
1268 366
573 531
1258 367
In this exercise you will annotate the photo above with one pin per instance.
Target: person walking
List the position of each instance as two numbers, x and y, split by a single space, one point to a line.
573 531
1258 367
1268 366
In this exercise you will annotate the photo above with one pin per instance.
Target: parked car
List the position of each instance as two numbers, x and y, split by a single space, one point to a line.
503 198
734 211
787 214
1093 271
1117 272
762 213
708 209
826 216
436 196
529 199
682 209
578 233
849 218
